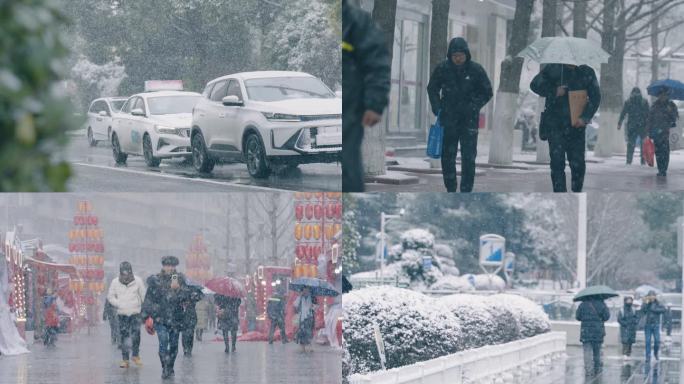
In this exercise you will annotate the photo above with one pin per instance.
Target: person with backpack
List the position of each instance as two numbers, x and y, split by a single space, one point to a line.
592 313
636 109
661 118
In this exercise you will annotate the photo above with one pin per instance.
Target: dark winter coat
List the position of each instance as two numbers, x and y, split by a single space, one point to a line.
592 314
194 295
230 317
628 319
276 308
662 117
636 108
164 304
667 318
459 91
557 109
366 66
652 312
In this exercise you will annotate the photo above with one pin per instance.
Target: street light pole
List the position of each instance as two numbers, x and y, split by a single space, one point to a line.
384 218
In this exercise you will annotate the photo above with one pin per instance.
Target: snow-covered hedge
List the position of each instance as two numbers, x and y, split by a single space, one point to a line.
416 327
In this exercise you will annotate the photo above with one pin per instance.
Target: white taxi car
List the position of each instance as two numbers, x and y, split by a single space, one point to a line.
155 125
266 118
100 115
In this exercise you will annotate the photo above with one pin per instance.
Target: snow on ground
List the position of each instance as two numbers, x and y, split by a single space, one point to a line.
416 327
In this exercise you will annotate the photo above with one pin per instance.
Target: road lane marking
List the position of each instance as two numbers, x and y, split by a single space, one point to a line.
176 177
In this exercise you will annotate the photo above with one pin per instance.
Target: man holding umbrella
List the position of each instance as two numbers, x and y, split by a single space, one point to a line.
592 313
572 94
304 305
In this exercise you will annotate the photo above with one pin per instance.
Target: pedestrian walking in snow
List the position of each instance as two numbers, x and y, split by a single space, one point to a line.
51 319
592 314
109 314
304 307
458 89
628 318
636 109
366 67
194 295
661 118
126 294
228 319
554 83
651 311
163 311
202 309
275 309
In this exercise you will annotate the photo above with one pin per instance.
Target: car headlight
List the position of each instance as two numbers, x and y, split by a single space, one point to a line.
281 117
165 129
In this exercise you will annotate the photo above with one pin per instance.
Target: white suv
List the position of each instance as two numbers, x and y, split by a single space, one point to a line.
266 118
155 125
100 116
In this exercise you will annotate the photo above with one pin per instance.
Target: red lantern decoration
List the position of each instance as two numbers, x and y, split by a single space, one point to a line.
309 211
329 211
318 211
299 211
338 210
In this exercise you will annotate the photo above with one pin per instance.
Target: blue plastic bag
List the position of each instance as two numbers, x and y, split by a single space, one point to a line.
435 138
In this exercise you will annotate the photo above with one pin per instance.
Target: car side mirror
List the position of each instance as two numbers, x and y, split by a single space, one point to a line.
103 113
232 101
138 112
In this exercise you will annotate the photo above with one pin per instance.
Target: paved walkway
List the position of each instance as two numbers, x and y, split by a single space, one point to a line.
83 359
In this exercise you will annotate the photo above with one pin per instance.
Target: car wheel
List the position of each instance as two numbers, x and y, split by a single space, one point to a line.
91 139
119 156
201 160
255 157
150 160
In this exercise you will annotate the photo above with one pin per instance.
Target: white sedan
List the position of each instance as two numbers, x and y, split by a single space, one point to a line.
155 125
265 118
100 116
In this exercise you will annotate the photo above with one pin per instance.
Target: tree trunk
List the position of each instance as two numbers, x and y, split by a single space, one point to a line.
579 19
610 140
373 147
655 50
506 103
439 36
549 28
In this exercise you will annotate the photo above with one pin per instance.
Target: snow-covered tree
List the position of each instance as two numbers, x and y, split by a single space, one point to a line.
351 239
97 80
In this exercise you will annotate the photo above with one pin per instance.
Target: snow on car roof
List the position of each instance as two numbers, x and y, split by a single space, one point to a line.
263 75
167 93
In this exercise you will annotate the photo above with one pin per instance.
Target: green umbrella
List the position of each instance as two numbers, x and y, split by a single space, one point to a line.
601 292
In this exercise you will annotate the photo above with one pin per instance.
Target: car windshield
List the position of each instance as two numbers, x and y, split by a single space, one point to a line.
168 105
283 88
117 104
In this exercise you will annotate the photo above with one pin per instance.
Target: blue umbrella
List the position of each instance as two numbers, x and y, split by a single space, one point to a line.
318 287
676 88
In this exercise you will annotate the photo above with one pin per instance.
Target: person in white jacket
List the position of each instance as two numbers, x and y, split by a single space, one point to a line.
126 294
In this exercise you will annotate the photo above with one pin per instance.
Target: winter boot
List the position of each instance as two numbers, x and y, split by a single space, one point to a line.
233 347
137 361
124 364
165 372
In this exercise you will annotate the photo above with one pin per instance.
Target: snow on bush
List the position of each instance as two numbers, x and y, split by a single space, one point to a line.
104 78
531 318
414 328
417 239
453 283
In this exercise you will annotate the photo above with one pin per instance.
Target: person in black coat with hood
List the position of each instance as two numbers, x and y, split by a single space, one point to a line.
458 89
592 313
628 319
194 295
636 107
366 67
163 307
554 82
662 116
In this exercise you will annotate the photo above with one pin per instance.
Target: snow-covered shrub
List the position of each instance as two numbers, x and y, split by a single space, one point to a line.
453 283
414 327
487 282
412 265
531 318
478 324
417 238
